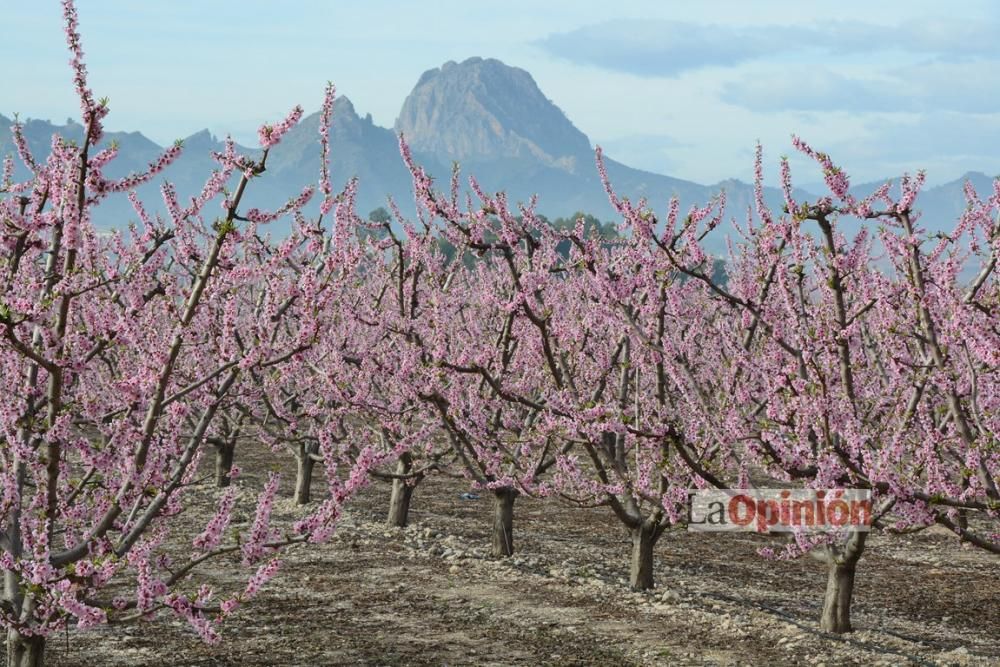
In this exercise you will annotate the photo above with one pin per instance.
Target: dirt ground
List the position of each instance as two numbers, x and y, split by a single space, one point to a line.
429 595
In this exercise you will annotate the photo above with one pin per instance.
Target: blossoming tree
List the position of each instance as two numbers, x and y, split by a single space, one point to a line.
124 348
817 365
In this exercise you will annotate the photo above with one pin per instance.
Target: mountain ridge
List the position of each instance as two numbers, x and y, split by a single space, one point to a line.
491 118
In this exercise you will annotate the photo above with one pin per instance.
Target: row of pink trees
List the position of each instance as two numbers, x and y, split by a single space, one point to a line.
529 369
126 354
835 357
828 357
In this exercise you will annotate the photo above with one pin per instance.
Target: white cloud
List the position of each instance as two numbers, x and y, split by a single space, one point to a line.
967 87
665 48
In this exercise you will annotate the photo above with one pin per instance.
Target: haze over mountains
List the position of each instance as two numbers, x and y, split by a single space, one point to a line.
490 117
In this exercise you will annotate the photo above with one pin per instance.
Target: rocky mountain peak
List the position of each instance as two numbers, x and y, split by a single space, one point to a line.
482 110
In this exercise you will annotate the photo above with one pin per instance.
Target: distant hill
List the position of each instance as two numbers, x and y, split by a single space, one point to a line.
491 118
495 121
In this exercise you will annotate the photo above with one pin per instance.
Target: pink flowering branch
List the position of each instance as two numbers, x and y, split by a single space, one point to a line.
270 134
325 118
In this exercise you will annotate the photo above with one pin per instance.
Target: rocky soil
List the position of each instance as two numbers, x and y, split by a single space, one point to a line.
430 595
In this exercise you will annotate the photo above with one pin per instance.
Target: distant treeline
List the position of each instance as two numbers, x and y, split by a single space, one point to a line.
591 225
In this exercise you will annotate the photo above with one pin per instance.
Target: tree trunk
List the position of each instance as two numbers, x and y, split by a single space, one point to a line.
303 477
641 572
963 523
224 455
837 604
24 651
842 561
402 492
503 522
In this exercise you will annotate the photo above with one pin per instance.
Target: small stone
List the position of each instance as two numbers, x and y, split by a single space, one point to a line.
669 596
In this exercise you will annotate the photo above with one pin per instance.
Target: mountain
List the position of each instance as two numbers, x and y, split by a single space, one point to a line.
135 153
358 148
135 150
482 110
495 121
491 118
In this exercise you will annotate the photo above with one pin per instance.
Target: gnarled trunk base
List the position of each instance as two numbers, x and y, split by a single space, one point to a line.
23 651
841 561
224 455
303 478
399 504
837 602
503 522
402 492
641 571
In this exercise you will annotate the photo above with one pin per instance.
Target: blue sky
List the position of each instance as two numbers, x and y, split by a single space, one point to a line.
684 88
